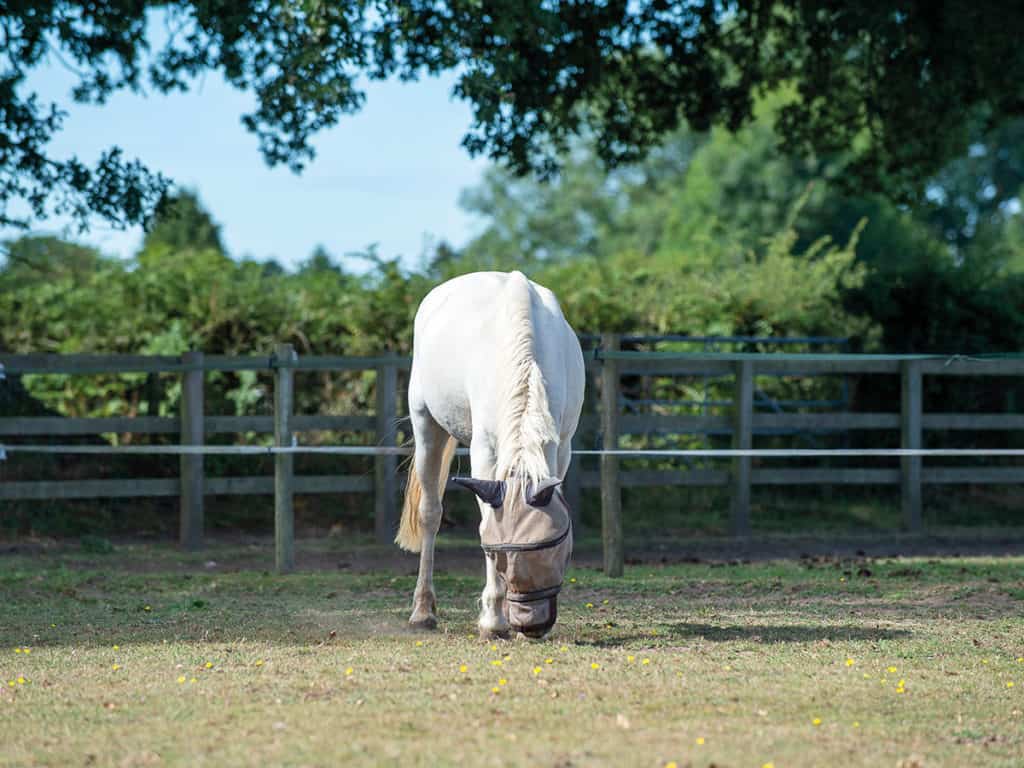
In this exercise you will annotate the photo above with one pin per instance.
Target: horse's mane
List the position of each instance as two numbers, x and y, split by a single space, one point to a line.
525 425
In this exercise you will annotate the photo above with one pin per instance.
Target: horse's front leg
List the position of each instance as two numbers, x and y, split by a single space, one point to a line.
492 620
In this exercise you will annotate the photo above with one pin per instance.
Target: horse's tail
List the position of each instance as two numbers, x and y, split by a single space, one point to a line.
410 537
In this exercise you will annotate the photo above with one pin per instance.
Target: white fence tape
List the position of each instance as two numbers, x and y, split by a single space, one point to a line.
369 450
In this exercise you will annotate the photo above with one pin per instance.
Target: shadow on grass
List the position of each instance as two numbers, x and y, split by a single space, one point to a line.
757 633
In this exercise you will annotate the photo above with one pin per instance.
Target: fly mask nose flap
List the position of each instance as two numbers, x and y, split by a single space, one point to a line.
531 547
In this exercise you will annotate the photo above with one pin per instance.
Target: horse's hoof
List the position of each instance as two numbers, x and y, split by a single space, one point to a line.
430 622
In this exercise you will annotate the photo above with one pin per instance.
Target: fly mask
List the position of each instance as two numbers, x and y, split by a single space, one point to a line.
528 535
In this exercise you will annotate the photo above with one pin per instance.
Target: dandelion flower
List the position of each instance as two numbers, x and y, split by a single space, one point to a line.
890 669
463 668
503 681
419 643
193 680
495 689
604 602
594 665
645 662
700 741
549 661
26 650
631 658
115 667
536 670
11 683
259 662
984 661
590 605
866 675
572 580
494 647
21 680
564 648
117 647
17 650
671 764
1009 684
496 663
348 671
768 765
816 721
181 679
1020 659
849 662
856 724
147 608
208 665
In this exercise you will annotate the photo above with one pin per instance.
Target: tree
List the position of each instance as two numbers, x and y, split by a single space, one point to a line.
182 223
895 84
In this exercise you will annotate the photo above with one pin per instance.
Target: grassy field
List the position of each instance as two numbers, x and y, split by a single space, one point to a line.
144 656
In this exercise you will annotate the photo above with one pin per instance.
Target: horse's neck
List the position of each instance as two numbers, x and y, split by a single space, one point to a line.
525 424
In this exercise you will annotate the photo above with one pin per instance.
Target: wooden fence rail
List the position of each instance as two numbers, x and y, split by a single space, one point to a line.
742 423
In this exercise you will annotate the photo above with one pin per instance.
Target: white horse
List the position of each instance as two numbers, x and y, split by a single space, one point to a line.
496 367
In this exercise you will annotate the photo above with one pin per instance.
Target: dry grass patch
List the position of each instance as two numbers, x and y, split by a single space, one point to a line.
920 662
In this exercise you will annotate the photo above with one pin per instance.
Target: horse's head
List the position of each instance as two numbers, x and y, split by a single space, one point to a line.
527 530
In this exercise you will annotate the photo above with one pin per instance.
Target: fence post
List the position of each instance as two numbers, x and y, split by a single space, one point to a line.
191 495
385 468
611 493
573 488
742 439
284 463
910 437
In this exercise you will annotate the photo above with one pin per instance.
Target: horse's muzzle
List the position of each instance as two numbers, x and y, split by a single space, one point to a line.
532 613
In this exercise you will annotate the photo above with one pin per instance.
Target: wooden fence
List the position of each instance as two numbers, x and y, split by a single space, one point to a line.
608 366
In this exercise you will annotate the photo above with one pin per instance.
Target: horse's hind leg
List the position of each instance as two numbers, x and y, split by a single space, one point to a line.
431 440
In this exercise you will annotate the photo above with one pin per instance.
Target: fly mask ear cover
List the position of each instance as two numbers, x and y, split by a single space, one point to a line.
531 546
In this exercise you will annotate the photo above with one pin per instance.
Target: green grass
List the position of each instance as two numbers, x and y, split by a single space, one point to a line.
744 658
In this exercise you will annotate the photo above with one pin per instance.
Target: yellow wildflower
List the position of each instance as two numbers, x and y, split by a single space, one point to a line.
604 602
496 662
856 724
1009 684
181 679
849 662
536 670
630 658
463 668
495 689
700 741
117 647
115 667
26 650
503 681
768 765
21 680
590 605
208 665
564 648
816 721
572 580
494 647
645 662
671 764
890 669
194 680
147 608
259 662
348 671
594 665
419 643
549 661
17 650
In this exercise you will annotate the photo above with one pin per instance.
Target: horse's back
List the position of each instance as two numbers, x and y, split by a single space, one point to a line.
459 333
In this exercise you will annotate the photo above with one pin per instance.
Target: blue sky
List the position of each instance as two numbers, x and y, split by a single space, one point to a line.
391 174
